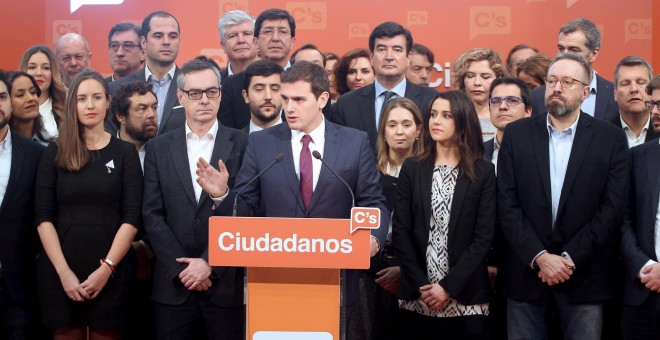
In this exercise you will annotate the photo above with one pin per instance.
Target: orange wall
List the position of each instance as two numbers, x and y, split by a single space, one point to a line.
448 28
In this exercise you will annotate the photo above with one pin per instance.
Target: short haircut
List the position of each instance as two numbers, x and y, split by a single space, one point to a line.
330 56
121 99
123 27
260 68
536 67
307 47
274 14
310 73
70 36
591 32
572 56
390 30
630 61
3 79
146 23
524 90
344 64
463 62
232 18
515 49
653 85
425 51
208 60
192 66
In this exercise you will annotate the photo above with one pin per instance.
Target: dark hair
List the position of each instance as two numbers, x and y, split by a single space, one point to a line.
310 73
261 68
383 155
344 64
515 49
425 51
330 56
57 90
307 47
591 32
572 56
467 136
195 65
208 60
653 85
38 125
390 30
536 66
3 79
123 27
274 14
629 61
121 100
524 90
146 23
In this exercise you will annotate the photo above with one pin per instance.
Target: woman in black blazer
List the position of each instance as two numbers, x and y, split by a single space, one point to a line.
443 226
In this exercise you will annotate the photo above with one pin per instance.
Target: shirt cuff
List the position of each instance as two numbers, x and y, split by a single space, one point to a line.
218 200
533 263
648 263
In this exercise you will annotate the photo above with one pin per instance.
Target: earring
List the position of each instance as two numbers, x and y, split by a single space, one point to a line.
416 138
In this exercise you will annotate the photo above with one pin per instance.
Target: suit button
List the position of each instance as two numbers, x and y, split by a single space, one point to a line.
196 221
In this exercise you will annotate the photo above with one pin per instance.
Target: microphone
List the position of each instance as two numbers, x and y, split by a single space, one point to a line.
317 155
278 158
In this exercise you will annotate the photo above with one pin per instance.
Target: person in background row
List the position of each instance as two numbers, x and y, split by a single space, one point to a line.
309 53
25 119
262 92
87 212
72 52
473 73
443 227
353 71
331 60
237 38
39 61
533 70
125 48
421 65
517 55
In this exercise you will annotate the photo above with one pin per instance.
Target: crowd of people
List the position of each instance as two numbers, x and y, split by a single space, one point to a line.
524 204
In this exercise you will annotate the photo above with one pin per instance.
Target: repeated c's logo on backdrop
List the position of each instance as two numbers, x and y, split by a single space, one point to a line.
640 29
230 5
217 54
62 27
570 3
418 18
309 15
75 4
358 30
489 20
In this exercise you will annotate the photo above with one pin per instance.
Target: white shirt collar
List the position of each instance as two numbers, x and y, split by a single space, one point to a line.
316 134
229 71
399 89
254 127
147 73
6 144
593 85
212 132
47 106
625 126
571 129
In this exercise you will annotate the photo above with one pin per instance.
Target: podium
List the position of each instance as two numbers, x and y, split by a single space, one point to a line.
293 288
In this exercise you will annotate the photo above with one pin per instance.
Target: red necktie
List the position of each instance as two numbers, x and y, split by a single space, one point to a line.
306 172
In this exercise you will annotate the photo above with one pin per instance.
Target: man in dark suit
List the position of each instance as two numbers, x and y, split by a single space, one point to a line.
261 91
177 207
18 237
237 38
640 240
582 37
160 41
631 75
300 186
562 182
126 54
390 45
274 35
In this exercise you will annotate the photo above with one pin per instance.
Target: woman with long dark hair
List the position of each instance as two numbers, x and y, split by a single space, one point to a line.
25 119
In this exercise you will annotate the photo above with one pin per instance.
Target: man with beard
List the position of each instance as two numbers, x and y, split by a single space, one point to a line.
562 185
261 90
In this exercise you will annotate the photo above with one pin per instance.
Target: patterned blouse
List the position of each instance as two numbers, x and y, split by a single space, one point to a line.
437 253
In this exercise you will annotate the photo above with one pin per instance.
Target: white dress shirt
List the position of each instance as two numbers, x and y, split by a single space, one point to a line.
318 143
199 147
630 134
589 104
5 168
48 117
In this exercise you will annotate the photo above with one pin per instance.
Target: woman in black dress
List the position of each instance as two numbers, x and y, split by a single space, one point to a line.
443 226
89 197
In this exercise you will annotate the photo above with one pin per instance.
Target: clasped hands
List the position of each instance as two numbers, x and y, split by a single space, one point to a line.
90 288
434 296
651 278
196 275
554 269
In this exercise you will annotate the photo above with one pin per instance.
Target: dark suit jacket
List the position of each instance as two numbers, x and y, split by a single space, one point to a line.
496 253
224 74
606 107
171 119
357 108
177 225
650 133
489 145
277 192
18 235
589 214
471 228
637 239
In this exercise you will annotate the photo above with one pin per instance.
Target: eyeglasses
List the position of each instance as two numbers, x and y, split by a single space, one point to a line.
509 100
128 46
269 31
211 93
67 57
565 83
651 104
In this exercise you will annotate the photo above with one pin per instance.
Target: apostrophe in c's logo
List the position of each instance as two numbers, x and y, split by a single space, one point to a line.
489 20
230 5
418 18
640 29
309 15
76 4
358 30
62 27
217 54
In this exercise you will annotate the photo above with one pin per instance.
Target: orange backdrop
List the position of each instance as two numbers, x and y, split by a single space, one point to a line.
448 28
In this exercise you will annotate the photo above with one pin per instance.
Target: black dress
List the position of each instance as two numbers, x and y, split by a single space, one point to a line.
87 208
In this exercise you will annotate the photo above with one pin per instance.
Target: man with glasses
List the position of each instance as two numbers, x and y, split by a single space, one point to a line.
562 186
631 76
274 35
72 53
178 202
581 37
126 55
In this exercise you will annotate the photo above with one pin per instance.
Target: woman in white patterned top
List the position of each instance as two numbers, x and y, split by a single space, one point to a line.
443 227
